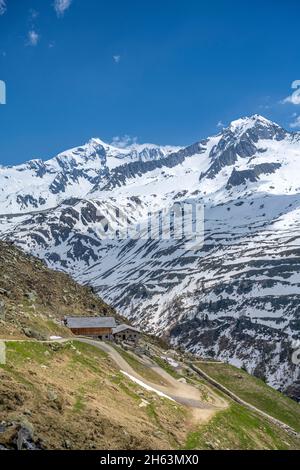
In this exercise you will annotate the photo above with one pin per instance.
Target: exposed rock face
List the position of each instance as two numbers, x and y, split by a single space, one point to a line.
241 140
18 436
121 174
241 177
34 299
74 173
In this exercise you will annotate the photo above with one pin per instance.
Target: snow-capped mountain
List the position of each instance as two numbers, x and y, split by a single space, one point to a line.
40 184
236 297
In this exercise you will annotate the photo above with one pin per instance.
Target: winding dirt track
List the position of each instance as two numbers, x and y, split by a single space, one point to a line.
182 393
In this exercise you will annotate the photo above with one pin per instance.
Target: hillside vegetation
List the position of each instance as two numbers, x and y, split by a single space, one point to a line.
34 299
255 392
71 395
237 428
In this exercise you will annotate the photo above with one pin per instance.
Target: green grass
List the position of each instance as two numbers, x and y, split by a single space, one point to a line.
79 404
128 390
255 392
167 367
86 356
19 352
240 429
19 377
89 357
43 326
151 412
90 350
127 386
140 368
55 329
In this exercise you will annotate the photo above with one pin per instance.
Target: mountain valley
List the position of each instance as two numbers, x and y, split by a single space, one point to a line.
235 297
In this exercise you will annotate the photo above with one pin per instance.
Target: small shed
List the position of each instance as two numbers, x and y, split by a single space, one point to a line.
100 327
126 333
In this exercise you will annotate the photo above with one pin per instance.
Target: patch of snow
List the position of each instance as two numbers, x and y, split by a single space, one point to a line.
146 386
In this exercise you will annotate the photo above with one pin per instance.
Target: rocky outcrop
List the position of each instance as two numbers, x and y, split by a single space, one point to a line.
252 175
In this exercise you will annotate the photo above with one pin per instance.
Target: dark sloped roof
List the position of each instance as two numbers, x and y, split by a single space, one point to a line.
124 327
90 322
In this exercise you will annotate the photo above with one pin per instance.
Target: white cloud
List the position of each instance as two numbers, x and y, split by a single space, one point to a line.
123 141
220 124
296 123
33 38
264 106
116 58
294 98
61 6
2 7
33 14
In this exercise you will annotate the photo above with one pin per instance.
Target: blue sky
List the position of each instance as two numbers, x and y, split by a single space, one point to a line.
164 71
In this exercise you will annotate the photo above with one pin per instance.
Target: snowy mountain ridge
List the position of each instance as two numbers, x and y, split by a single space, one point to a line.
237 297
40 184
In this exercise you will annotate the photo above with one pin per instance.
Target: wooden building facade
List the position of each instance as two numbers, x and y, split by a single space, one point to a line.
99 327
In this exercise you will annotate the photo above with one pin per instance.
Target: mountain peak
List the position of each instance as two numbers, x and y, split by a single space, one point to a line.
255 127
248 122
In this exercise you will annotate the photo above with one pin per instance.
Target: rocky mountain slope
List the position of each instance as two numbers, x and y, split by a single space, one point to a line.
34 299
236 295
72 396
